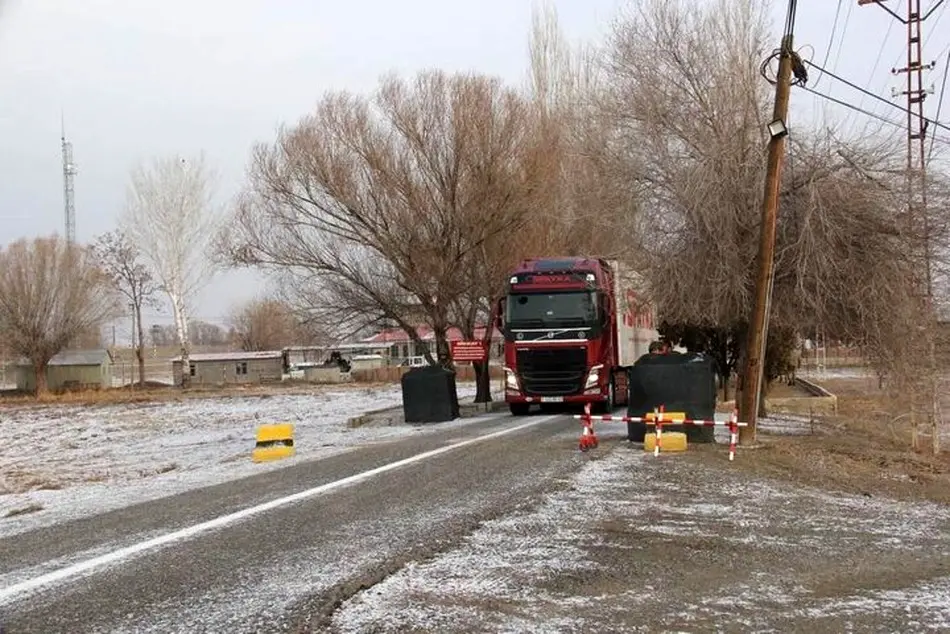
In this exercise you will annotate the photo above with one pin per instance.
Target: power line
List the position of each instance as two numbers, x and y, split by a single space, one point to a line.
901 56
934 8
878 97
943 89
831 42
877 61
853 107
844 32
868 113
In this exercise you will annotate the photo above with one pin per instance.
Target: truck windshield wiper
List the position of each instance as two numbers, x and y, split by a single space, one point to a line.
528 323
567 322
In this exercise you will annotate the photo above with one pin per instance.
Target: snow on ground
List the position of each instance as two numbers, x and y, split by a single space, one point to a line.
644 543
855 372
62 462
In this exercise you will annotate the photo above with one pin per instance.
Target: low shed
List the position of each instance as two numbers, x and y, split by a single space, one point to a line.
218 368
70 370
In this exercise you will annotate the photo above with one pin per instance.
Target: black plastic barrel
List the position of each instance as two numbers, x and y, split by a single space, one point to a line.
679 383
429 396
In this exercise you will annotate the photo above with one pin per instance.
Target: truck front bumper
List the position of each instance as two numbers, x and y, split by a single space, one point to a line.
571 398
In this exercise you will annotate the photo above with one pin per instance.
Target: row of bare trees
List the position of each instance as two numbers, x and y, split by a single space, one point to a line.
407 205
690 128
413 201
53 293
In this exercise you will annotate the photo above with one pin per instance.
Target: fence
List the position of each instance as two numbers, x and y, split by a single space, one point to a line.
833 356
393 374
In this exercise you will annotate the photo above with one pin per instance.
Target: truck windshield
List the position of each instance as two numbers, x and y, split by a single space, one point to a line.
551 310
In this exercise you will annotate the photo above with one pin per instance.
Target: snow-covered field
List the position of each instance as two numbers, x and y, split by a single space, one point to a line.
63 462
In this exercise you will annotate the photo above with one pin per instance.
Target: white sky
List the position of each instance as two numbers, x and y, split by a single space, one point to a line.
138 79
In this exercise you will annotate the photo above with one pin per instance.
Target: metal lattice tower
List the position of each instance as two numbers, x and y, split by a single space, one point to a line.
916 137
917 219
69 201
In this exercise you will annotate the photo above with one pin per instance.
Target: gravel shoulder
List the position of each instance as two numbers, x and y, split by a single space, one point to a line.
829 526
682 542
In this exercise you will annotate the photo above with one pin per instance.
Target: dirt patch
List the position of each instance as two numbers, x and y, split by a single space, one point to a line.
865 449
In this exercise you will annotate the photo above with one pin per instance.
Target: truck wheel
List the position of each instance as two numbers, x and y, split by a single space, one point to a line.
607 407
519 409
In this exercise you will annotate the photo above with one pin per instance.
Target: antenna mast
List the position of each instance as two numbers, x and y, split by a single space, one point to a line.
69 171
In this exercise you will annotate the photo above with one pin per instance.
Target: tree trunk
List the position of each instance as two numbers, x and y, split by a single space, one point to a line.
483 370
182 327
39 370
482 382
724 382
140 349
442 351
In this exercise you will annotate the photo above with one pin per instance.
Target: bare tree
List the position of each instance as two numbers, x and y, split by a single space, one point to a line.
265 324
162 336
122 262
50 292
171 217
591 207
690 132
203 333
379 203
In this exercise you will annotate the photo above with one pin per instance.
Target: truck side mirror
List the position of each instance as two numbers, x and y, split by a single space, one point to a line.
499 313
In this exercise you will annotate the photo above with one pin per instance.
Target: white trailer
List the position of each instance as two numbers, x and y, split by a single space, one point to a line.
636 315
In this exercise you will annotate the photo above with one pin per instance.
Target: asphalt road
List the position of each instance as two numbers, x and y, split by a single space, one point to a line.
284 568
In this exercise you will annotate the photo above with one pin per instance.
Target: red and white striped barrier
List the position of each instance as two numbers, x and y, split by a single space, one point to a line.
658 420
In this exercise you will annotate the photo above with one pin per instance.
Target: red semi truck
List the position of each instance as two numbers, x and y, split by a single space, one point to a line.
572 327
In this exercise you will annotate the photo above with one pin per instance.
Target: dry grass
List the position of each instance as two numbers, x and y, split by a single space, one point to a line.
29 508
865 449
20 481
126 395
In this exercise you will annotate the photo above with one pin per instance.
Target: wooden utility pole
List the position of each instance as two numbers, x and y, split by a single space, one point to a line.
753 374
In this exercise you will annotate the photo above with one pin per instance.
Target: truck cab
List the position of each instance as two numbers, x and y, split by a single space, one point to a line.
563 334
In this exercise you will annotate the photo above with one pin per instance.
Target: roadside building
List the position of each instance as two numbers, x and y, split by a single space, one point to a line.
218 368
69 370
402 350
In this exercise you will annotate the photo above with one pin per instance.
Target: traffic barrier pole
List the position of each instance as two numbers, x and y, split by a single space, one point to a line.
733 434
589 439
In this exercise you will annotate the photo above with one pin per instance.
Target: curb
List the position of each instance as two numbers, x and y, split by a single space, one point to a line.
464 408
819 391
814 388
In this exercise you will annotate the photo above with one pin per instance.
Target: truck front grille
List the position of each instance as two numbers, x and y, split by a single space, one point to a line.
553 371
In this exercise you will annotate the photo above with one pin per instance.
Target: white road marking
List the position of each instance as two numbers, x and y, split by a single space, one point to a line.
29 585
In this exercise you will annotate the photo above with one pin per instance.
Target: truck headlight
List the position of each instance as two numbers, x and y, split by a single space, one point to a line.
511 380
593 377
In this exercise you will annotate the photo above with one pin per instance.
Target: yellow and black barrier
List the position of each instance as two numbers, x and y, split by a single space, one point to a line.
274 442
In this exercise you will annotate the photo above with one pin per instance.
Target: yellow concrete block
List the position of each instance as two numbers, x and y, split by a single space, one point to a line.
670 441
275 432
673 417
274 442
